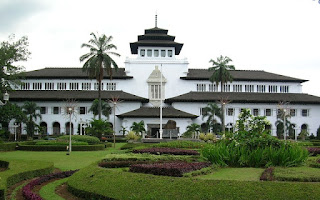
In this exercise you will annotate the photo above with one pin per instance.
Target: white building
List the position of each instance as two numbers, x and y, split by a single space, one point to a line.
185 91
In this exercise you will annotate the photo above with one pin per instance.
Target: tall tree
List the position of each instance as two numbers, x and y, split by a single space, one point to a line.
221 75
11 52
31 110
105 108
211 111
99 60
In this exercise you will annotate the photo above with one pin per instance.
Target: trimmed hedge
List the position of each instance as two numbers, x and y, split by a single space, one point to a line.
176 169
80 138
27 189
22 170
4 164
61 148
8 146
180 144
63 143
173 151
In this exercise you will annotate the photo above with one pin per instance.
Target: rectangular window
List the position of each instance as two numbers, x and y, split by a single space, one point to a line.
261 88
255 111
237 88
304 112
203 111
61 86
36 86
284 89
249 88
155 91
226 88
96 86
86 86
293 112
201 87
156 53
169 53
273 88
111 86
56 110
49 86
213 88
82 110
267 112
25 86
149 52
43 110
73 86
142 52
230 111
163 53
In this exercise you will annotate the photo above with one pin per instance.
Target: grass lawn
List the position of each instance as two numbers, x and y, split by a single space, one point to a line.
48 191
76 160
239 174
307 174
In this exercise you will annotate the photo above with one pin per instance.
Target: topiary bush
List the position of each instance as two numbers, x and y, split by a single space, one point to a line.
173 151
80 138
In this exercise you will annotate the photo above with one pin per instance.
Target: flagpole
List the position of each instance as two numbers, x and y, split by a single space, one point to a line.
161 102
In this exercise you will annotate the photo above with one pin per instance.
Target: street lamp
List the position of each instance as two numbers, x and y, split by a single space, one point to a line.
70 114
5 99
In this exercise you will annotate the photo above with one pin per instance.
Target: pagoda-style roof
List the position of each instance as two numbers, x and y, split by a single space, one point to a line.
246 97
154 112
71 73
242 75
155 37
62 95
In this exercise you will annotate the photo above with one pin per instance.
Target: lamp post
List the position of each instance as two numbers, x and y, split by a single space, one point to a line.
15 126
70 114
114 123
160 130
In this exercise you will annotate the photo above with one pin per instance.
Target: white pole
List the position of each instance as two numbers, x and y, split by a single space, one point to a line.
161 102
284 125
70 113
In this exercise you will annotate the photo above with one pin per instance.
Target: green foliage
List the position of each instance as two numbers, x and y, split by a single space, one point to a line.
318 133
220 70
192 130
22 170
303 134
180 144
11 52
211 111
99 128
301 174
132 136
105 108
138 128
255 154
31 109
66 143
134 145
207 137
80 138
97 147
8 146
93 182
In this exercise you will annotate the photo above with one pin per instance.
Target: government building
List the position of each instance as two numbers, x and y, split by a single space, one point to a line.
154 72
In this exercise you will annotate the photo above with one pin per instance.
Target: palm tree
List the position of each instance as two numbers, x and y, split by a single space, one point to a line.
220 70
211 111
105 108
31 110
138 127
221 74
193 129
98 60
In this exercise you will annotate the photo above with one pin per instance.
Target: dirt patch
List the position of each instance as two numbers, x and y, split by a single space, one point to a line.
62 190
3 169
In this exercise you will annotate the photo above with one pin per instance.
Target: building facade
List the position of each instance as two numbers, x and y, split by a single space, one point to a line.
155 76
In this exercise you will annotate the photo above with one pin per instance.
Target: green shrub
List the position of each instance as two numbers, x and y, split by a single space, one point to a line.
202 136
134 146
61 147
64 143
4 164
8 146
132 136
80 138
301 174
180 144
234 154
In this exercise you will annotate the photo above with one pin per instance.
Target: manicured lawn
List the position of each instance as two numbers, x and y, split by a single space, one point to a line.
297 174
240 174
48 191
77 159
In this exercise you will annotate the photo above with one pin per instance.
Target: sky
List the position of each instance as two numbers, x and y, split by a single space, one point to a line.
278 36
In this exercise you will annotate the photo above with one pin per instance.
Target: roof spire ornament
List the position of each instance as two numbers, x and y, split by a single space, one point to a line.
156 20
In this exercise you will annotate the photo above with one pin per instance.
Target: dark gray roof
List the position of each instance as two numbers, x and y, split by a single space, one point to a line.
243 97
242 75
71 73
154 112
156 37
62 95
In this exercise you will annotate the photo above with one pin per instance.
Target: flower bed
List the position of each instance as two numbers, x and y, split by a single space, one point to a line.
173 151
27 189
176 169
314 150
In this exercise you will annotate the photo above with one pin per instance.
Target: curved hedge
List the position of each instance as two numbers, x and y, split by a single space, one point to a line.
61 148
22 170
94 182
80 138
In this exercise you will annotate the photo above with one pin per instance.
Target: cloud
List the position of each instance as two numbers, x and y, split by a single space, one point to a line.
15 12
